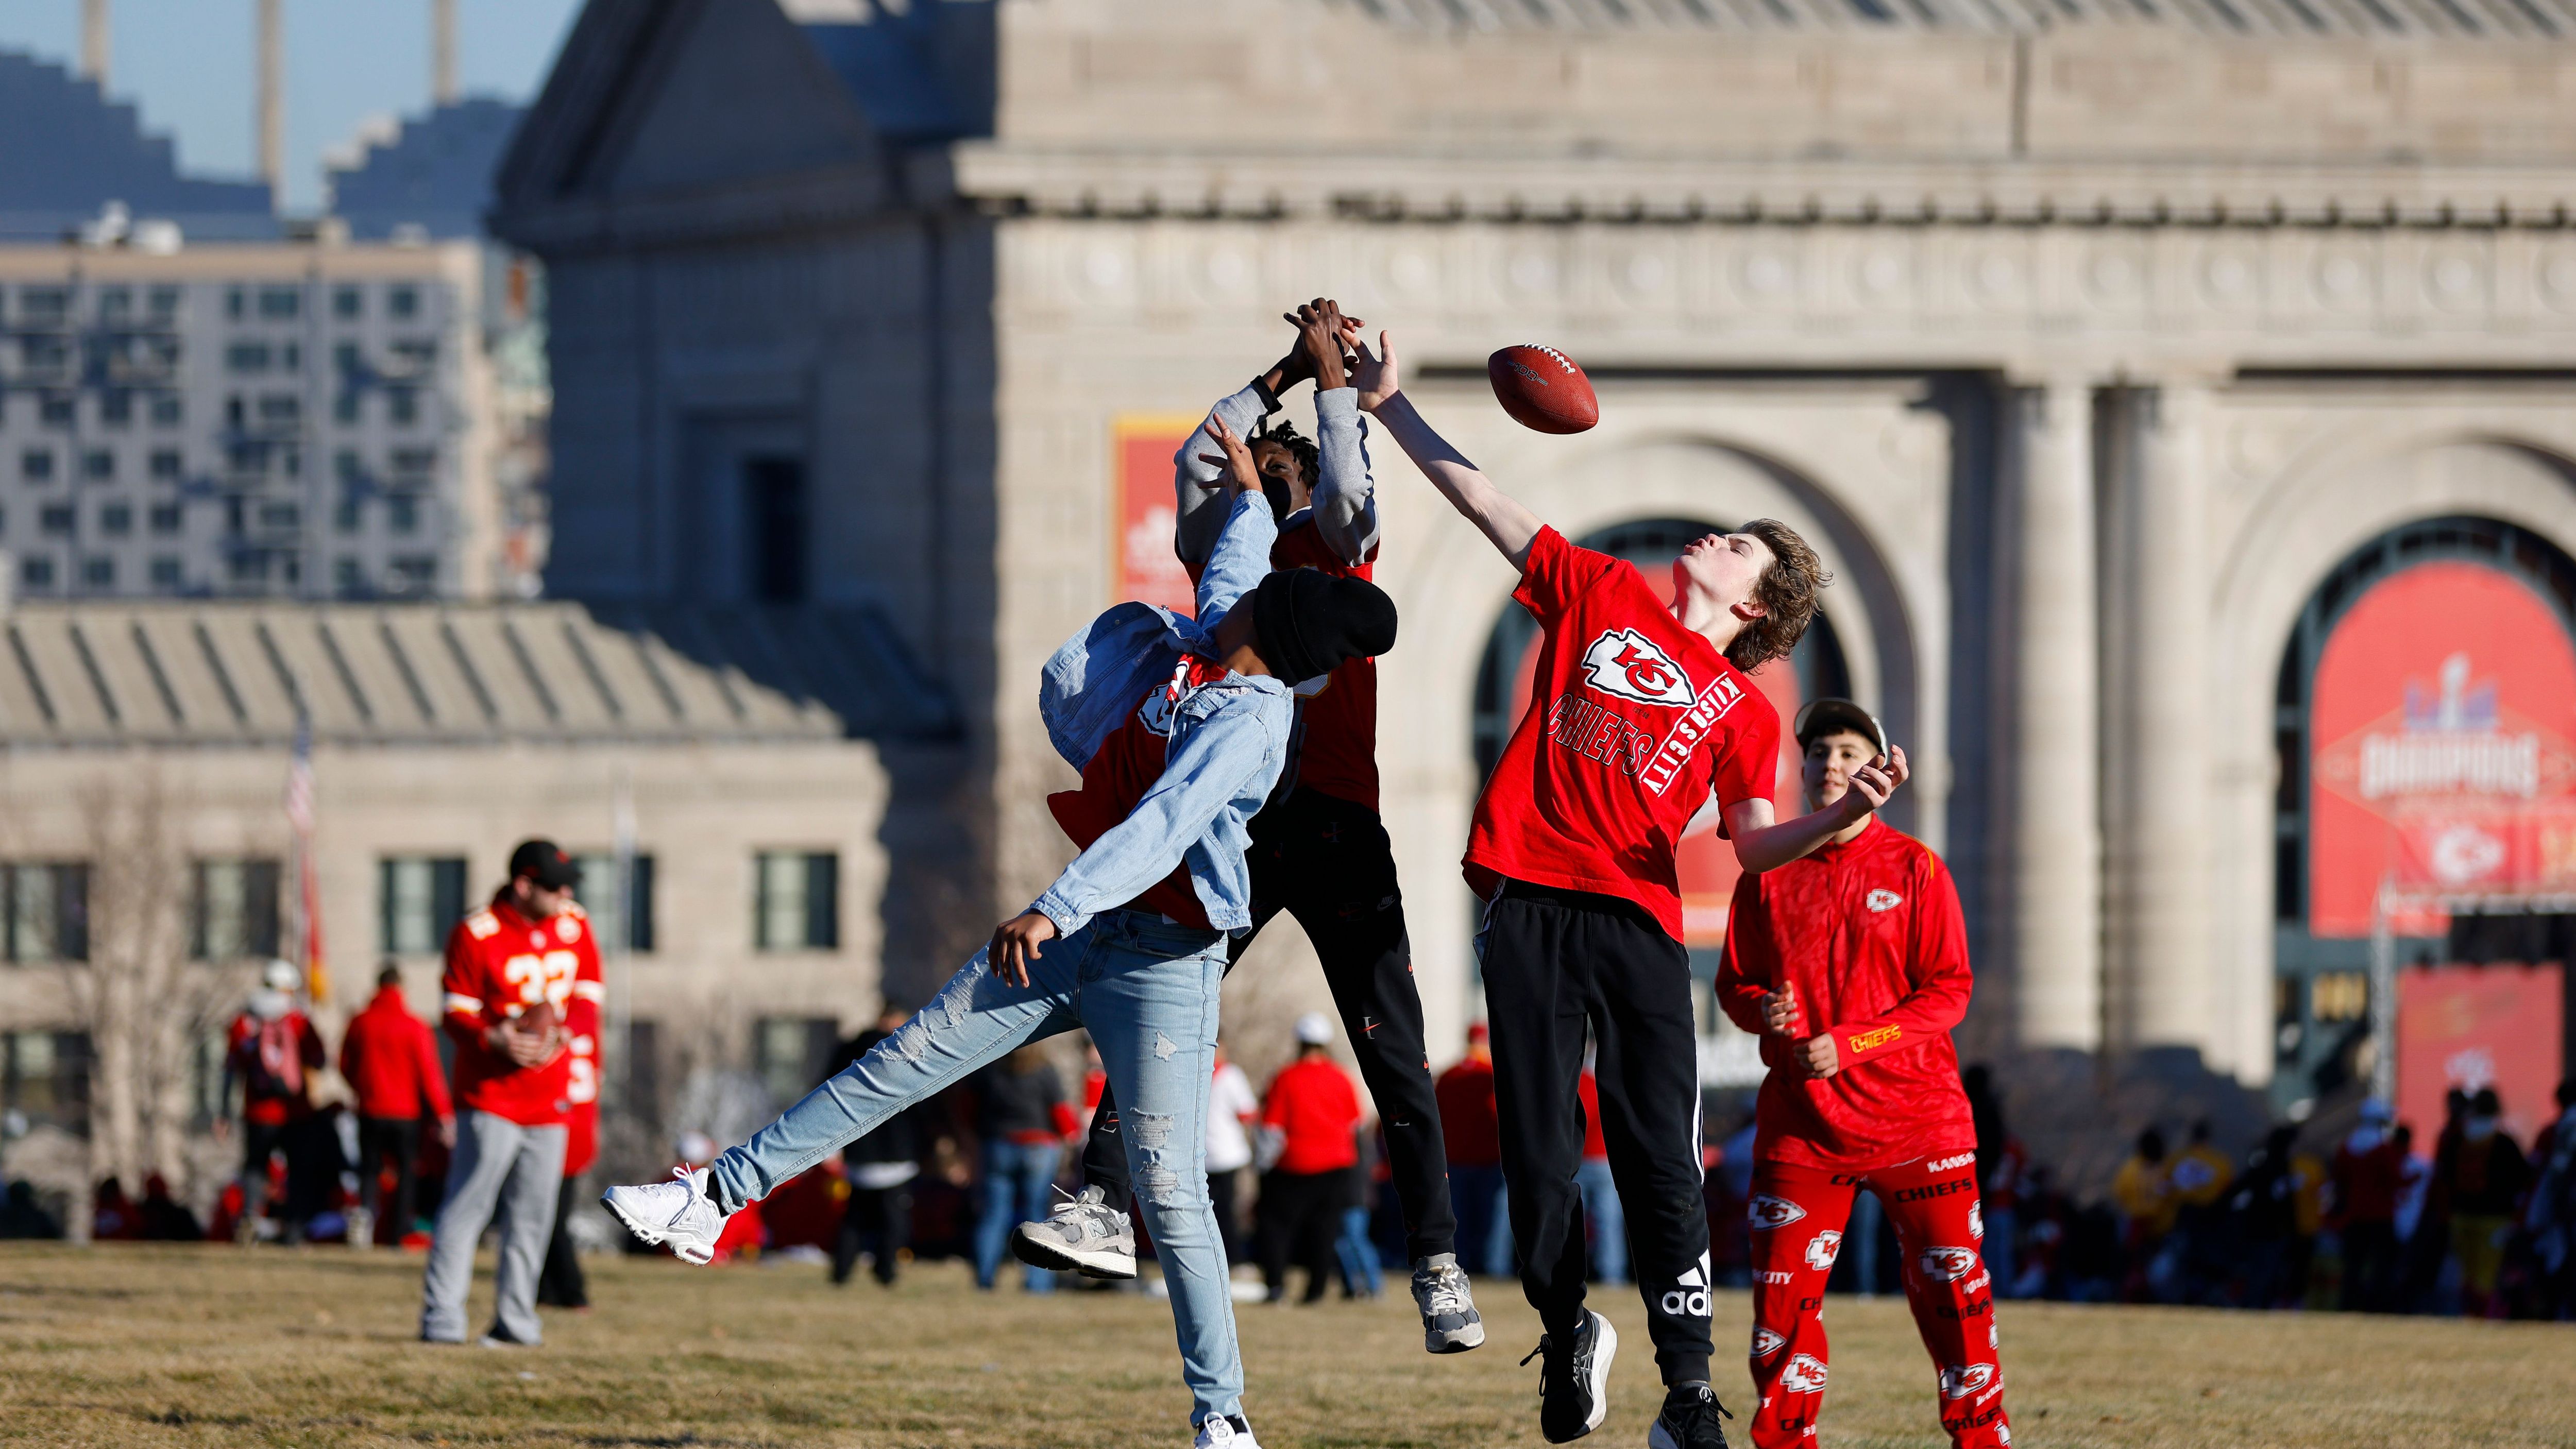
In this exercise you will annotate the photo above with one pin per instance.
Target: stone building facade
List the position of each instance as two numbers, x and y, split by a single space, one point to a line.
2085 343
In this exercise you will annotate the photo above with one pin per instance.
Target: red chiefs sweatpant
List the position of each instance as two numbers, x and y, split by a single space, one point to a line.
1797 1229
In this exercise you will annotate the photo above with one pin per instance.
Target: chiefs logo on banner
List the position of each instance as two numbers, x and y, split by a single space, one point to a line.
1143 514
2442 765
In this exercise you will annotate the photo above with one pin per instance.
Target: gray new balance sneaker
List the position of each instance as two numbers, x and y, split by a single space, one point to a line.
1083 1235
1450 1323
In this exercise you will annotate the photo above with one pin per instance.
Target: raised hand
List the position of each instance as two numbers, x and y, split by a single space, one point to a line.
1240 476
1874 782
1320 326
1373 373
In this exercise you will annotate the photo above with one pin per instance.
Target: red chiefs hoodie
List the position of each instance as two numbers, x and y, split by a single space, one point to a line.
1868 937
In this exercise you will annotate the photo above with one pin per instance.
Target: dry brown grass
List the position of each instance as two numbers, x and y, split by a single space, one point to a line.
123 1346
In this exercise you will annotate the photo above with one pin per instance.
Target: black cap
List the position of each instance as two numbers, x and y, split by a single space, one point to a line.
1305 622
1831 716
544 862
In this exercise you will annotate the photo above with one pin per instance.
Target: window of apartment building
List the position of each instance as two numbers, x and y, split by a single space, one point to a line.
402 406
44 911
166 517
797 900
246 356
98 571
36 573
115 304
167 465
236 303
232 909
116 520
348 466
290 567
163 304
627 925
291 459
55 519
44 1077
789 1053
98 465
280 304
43 306
411 573
168 411
414 464
773 492
236 412
281 514
402 512
348 577
418 898
402 303
234 515
344 406
280 410
416 355
116 408
36 465
165 574
347 515
348 303
55 410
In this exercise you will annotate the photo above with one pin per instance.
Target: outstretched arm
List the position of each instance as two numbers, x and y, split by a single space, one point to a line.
1761 845
1345 498
1511 527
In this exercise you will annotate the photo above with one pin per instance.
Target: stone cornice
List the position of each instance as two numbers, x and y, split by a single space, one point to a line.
1432 187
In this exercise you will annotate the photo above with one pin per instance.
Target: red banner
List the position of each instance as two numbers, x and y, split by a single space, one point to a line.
1142 514
2442 768
2478 1026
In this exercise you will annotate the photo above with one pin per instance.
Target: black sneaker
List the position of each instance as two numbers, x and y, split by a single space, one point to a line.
1574 1379
1689 1420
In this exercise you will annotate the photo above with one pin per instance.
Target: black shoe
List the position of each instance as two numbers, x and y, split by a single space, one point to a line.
1689 1420
1574 1380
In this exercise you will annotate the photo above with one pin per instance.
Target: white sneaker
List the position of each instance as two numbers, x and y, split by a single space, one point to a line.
1450 1323
677 1212
1083 1235
1225 1431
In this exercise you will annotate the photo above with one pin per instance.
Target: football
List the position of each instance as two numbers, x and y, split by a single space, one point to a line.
1542 389
539 1020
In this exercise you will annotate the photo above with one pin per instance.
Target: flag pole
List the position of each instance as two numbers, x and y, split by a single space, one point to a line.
2383 998
300 815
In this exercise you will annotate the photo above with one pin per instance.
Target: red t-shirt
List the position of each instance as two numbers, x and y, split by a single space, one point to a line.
1317 1113
1471 1133
1335 747
1633 721
499 963
1119 773
1594 1149
1868 938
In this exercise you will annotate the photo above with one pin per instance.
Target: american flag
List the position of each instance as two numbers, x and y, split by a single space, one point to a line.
299 814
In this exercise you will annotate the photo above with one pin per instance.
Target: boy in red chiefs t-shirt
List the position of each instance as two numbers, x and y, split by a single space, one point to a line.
1851 965
521 973
1641 715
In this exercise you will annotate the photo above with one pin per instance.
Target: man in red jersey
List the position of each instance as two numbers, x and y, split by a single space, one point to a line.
1852 966
1319 850
1641 716
516 970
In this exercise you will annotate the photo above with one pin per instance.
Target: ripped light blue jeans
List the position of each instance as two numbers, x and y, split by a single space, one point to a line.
1146 989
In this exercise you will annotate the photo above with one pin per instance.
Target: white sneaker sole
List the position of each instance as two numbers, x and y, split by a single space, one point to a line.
1471 1336
1091 1263
653 1236
1605 1347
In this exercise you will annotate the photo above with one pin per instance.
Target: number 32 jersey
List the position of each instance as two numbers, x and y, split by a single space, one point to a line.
499 964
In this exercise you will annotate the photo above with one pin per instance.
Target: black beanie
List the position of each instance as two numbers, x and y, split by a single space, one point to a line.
1306 621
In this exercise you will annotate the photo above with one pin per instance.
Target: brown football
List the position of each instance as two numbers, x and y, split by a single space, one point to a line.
538 1020
1542 389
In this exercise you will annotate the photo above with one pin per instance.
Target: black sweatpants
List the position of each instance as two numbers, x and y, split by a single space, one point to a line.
878 1218
561 1283
1301 1215
395 1140
1327 862
1556 961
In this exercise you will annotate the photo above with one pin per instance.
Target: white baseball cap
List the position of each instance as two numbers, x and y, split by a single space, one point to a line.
1314 1029
281 976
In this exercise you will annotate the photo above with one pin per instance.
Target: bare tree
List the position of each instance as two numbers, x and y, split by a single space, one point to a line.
144 1005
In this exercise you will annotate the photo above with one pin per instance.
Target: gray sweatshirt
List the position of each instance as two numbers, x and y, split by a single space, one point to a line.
1345 501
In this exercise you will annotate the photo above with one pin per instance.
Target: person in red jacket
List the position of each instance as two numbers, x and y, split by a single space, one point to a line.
273 1051
1312 1115
514 971
392 1065
1471 1135
1851 964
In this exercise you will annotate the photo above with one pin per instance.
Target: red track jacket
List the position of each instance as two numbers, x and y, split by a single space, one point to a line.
391 1063
1868 937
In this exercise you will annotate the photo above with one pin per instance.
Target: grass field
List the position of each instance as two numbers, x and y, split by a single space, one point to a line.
132 1345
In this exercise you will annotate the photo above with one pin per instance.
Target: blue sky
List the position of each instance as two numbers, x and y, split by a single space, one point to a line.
187 65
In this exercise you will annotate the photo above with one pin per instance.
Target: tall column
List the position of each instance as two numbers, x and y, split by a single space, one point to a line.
2057 841
272 100
94 41
442 51
2160 867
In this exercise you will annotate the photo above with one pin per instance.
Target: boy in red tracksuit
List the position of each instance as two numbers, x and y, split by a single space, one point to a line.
1851 964
392 1065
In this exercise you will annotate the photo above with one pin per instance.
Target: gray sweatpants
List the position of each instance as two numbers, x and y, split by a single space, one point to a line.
498 1165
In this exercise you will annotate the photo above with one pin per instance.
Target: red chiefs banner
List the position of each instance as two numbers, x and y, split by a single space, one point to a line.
1142 513
2478 1026
2442 768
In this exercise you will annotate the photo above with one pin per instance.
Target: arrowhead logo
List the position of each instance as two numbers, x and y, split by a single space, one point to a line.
1628 664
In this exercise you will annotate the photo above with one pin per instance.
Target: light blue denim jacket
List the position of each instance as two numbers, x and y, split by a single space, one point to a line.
1228 742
